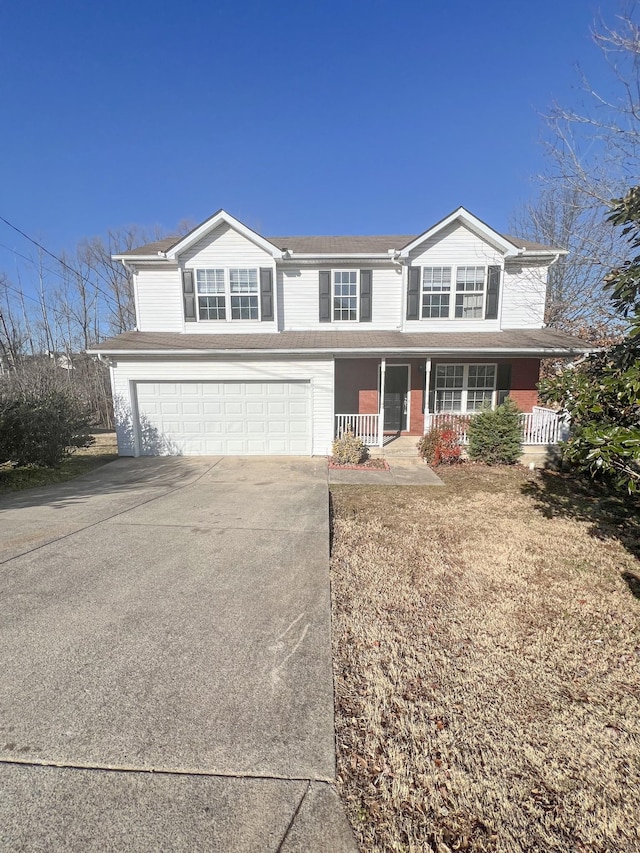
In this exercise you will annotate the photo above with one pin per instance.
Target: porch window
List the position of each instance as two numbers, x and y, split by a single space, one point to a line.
464 387
227 294
345 295
470 292
436 291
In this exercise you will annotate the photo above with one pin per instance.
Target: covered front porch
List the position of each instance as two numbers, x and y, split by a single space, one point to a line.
379 399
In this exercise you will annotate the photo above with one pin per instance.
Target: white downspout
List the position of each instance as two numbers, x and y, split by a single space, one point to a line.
383 370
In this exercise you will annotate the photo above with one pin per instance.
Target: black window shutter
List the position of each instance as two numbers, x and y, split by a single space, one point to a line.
266 293
366 277
325 296
189 296
493 294
503 382
413 294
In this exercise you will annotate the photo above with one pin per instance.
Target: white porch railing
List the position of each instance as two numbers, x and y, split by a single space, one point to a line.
365 427
541 426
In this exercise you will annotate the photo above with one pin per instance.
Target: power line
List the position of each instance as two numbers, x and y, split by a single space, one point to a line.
63 263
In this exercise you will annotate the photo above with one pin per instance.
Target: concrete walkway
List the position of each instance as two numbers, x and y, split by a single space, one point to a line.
402 472
166 676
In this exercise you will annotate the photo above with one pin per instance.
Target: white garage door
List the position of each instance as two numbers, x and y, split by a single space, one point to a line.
212 418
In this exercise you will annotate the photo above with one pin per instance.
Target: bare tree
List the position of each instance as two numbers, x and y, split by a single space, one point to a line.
594 155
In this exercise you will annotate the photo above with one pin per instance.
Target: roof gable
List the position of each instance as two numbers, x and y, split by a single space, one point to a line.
477 226
218 218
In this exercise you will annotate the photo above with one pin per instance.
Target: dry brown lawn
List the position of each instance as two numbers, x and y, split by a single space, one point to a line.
487 665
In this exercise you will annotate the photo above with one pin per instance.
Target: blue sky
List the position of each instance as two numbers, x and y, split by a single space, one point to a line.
297 117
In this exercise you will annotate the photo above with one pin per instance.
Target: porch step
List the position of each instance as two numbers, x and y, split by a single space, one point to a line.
405 445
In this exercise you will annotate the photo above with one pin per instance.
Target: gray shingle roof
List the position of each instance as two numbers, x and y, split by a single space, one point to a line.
376 244
547 341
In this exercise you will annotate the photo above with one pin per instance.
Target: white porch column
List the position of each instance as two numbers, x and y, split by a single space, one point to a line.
427 385
383 370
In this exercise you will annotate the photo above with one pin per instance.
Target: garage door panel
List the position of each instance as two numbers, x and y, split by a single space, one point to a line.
222 418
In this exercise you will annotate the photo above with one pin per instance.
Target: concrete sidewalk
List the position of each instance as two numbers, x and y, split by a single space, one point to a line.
402 472
166 679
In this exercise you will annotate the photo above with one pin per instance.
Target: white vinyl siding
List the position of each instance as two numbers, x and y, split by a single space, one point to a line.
318 373
454 247
240 258
159 300
298 289
524 290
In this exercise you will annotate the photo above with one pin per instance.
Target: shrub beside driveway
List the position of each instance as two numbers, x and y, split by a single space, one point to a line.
82 461
487 666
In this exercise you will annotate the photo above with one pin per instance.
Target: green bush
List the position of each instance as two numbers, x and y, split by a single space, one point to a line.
440 446
349 450
495 436
41 426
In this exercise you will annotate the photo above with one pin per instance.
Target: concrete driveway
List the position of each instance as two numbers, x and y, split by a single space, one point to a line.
166 660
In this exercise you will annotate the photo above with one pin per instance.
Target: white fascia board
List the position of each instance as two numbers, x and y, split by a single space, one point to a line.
474 224
531 352
213 222
160 256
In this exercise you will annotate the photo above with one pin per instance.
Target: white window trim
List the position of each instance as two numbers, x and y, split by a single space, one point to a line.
333 296
227 295
465 385
453 292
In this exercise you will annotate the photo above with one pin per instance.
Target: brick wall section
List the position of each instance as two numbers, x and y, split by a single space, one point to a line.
525 375
356 386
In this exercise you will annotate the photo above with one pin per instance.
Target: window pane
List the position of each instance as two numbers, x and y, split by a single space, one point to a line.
435 305
449 375
210 281
243 281
470 278
476 400
436 278
469 306
244 308
211 308
482 376
448 401
345 295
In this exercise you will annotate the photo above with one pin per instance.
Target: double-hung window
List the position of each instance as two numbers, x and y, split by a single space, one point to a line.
466 303
436 291
211 295
231 294
470 292
464 387
244 294
345 295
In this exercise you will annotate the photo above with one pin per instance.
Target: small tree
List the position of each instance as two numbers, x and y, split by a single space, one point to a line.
602 393
440 446
495 435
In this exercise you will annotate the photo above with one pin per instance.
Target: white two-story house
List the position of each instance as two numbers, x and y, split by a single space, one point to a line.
271 345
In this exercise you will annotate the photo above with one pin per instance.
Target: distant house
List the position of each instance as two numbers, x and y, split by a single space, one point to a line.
272 345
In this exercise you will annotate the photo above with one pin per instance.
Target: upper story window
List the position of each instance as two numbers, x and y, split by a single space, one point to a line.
227 294
464 387
469 292
436 291
345 295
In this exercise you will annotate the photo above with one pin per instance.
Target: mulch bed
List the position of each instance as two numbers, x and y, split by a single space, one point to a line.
375 464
